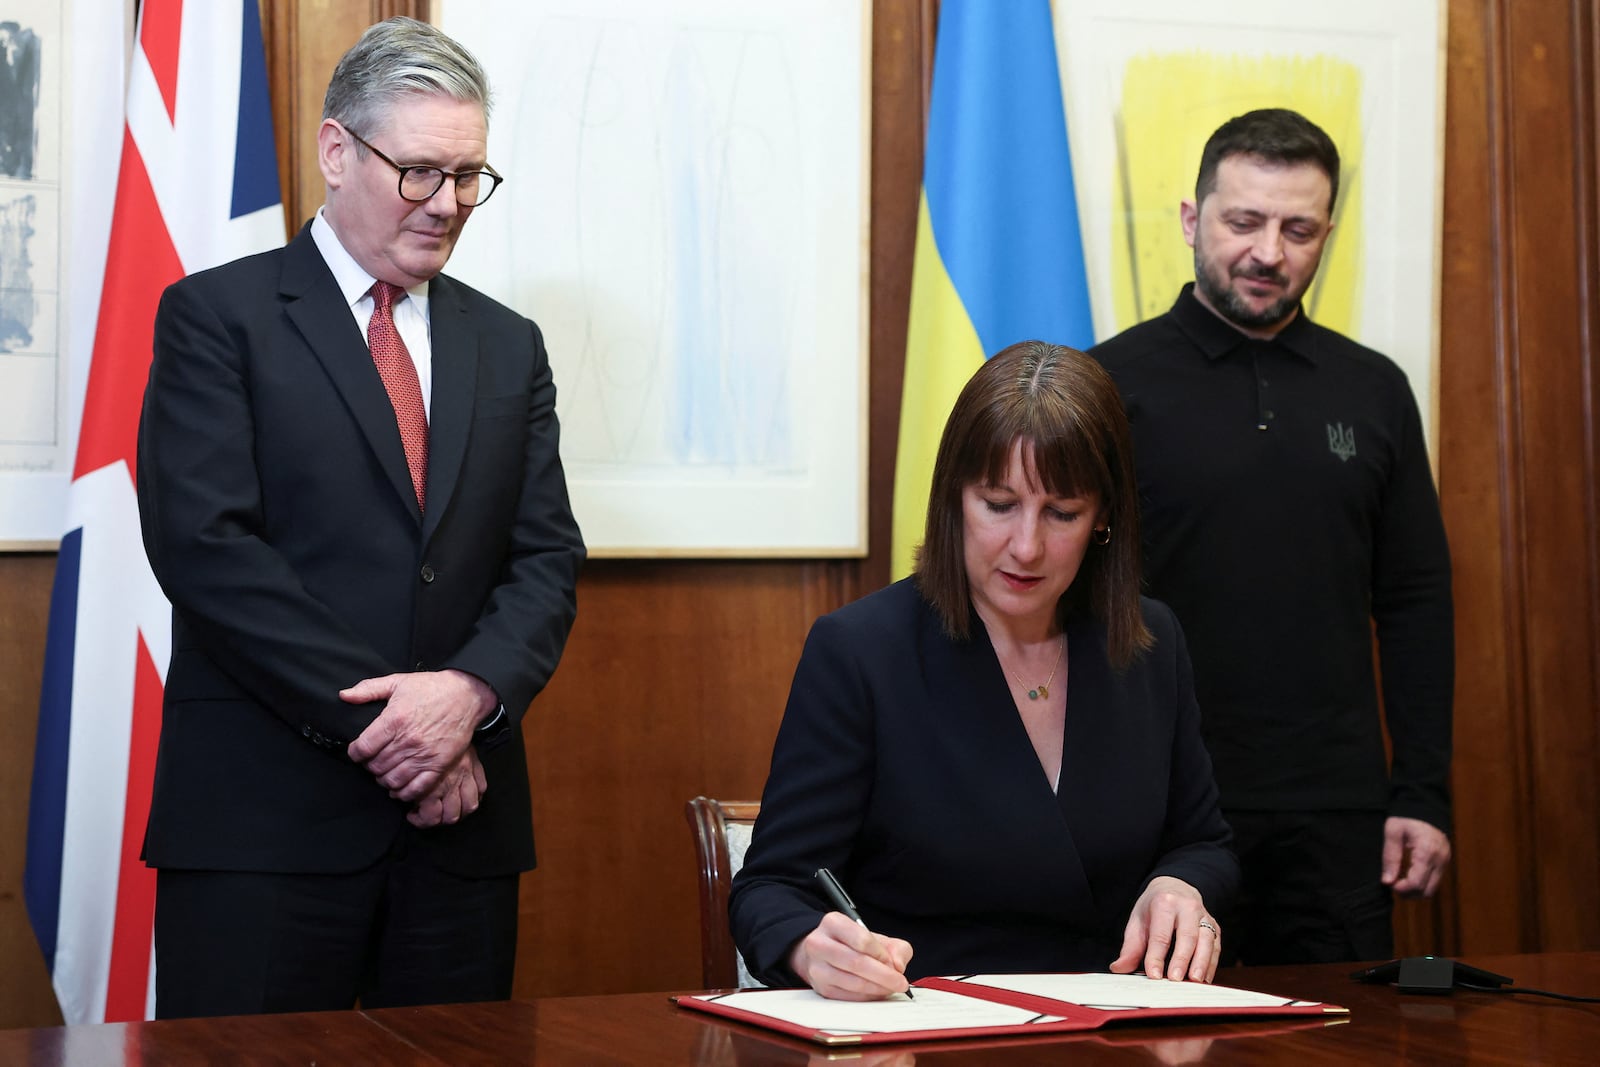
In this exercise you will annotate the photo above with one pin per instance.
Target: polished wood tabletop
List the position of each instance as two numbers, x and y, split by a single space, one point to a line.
1384 1027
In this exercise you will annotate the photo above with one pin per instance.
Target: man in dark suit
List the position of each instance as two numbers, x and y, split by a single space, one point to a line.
350 490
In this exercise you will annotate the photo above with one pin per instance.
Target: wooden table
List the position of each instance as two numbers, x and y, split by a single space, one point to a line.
1384 1027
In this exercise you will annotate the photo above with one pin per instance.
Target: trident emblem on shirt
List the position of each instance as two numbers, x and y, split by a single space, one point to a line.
1342 441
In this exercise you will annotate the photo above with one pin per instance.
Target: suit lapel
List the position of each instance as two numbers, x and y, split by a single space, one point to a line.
974 698
317 308
455 383
1088 792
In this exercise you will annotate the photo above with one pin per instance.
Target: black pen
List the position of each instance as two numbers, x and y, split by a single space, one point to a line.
843 904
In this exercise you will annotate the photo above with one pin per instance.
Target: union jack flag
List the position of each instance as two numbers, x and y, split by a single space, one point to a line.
197 186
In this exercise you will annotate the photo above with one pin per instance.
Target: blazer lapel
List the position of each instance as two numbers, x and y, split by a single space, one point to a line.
317 308
1088 777
455 383
975 697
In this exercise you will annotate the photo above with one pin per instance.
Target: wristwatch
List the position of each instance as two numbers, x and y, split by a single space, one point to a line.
493 730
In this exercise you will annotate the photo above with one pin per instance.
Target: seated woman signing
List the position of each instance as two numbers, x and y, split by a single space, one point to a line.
1000 756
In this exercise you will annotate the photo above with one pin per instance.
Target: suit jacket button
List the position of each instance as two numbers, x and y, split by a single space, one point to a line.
427 573
305 730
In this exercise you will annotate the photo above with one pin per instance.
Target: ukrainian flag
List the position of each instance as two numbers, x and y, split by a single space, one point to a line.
998 258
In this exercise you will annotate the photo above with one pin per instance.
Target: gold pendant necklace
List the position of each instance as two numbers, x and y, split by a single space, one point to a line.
1042 692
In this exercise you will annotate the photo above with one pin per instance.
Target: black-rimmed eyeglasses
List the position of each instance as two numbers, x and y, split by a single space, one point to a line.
420 183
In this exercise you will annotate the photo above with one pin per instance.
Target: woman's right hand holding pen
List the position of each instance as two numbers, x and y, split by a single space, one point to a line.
843 960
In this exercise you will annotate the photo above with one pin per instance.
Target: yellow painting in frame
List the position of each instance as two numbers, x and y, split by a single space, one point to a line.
1146 82
1160 136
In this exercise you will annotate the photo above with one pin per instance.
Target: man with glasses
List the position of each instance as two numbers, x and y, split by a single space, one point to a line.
350 490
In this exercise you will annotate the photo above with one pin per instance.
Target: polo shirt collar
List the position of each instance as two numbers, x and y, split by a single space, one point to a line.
1216 338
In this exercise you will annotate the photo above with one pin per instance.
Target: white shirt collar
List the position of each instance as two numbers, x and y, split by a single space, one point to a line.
352 278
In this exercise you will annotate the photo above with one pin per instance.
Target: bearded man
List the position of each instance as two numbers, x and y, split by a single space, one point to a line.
1287 511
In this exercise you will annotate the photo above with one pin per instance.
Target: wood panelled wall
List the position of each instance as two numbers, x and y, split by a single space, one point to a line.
677 670
1519 472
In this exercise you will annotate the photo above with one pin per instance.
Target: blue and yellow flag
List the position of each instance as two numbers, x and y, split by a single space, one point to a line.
998 259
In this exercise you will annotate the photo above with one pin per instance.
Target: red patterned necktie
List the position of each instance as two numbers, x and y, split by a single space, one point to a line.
399 376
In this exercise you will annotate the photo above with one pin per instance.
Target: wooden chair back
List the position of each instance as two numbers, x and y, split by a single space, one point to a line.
721 830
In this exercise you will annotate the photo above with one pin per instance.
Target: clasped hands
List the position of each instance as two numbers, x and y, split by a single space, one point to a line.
419 747
843 960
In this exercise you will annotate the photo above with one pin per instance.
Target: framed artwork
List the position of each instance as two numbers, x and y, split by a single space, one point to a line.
684 216
1146 82
61 115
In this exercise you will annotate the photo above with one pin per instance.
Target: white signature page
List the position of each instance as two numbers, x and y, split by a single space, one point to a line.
1112 992
932 1009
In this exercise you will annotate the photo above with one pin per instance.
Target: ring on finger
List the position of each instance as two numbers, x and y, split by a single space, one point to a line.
1207 924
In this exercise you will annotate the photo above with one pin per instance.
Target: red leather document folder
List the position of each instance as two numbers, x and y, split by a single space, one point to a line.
997 1005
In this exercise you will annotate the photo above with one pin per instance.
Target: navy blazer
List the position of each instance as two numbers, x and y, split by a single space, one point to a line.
280 520
903 766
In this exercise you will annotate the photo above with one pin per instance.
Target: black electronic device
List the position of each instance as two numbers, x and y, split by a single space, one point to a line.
1431 974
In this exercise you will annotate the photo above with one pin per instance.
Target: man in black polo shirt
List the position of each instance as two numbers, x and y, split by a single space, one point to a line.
1287 508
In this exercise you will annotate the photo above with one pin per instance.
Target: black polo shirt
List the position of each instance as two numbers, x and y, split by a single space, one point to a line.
1287 507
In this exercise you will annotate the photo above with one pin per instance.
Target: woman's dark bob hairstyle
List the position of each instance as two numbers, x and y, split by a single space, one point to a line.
1066 407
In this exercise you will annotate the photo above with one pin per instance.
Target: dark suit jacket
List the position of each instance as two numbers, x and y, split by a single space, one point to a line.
902 765
280 520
